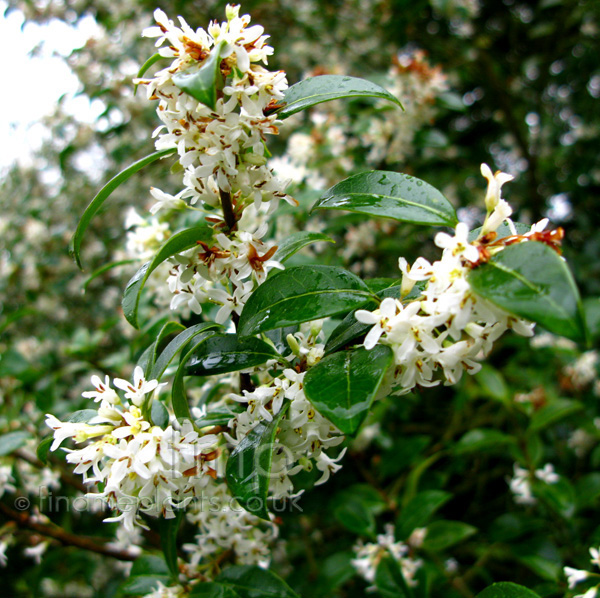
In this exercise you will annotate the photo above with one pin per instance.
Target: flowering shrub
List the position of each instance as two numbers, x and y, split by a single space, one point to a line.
273 370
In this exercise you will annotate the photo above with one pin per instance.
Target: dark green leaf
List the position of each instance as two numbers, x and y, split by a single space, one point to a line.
443 534
12 441
250 581
296 241
390 195
587 489
216 417
149 564
201 83
43 448
168 529
301 294
389 579
248 471
143 584
419 510
545 568
342 386
176 244
212 589
104 193
553 412
179 399
159 414
148 358
591 307
176 345
506 589
482 439
278 337
559 496
224 353
532 281
356 507
315 90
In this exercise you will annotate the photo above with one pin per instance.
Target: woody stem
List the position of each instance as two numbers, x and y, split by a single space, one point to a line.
227 206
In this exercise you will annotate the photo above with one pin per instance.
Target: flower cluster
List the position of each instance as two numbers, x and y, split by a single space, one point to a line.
576 576
368 556
520 483
222 151
304 433
446 328
142 468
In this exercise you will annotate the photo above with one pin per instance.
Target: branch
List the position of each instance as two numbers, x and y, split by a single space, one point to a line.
227 206
50 530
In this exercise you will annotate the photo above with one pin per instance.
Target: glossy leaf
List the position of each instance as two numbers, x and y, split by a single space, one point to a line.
389 580
248 471
444 534
324 88
12 441
390 195
342 386
301 294
149 356
179 399
250 581
296 241
168 529
104 194
43 448
224 353
212 589
159 414
507 589
176 345
202 83
176 244
419 510
532 281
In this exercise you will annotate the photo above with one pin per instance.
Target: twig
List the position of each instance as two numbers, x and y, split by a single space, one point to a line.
227 206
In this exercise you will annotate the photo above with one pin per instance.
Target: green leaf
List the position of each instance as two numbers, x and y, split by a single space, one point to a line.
176 244
356 507
390 195
248 470
212 589
482 439
301 294
419 510
559 496
216 417
587 490
148 357
250 581
176 345
147 65
553 412
159 414
506 589
350 329
168 529
104 269
12 441
296 241
103 195
149 564
545 568
342 386
389 580
591 307
532 281
179 399
324 88
493 384
444 534
143 584
202 83
43 448
82 416
224 353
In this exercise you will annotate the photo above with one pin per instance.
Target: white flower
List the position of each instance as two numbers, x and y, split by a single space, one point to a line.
574 576
380 318
547 474
458 245
495 182
137 391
